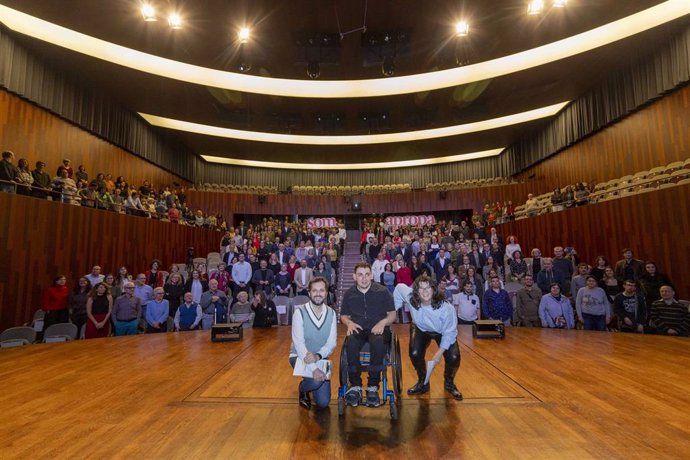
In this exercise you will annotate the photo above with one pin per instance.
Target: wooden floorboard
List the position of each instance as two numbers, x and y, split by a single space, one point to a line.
536 394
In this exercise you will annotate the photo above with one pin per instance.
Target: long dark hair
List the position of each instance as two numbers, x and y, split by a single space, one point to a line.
436 300
77 288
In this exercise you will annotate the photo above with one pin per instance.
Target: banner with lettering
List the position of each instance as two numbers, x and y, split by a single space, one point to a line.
322 222
413 221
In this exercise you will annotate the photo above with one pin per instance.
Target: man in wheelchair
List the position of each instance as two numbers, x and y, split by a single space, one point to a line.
367 310
433 318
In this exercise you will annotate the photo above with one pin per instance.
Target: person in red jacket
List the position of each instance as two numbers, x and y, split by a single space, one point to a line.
54 302
155 277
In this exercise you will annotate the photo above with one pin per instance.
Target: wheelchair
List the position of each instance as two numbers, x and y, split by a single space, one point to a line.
391 361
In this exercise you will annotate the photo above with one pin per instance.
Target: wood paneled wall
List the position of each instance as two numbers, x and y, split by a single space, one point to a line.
331 205
654 225
40 239
36 134
654 136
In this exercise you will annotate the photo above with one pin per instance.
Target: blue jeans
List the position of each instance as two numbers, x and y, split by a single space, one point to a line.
321 390
126 327
594 322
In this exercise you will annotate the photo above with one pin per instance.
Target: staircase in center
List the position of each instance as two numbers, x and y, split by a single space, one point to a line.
346 265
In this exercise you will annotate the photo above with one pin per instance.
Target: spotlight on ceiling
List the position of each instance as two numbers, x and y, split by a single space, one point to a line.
313 70
535 7
245 67
388 66
148 12
243 34
462 29
175 21
560 3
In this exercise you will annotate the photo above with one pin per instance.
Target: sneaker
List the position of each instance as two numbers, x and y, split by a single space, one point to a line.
373 399
353 397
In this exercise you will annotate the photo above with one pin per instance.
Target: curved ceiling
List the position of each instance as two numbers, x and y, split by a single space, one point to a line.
277 49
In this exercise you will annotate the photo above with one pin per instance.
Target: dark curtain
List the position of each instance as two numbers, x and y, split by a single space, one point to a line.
617 97
23 74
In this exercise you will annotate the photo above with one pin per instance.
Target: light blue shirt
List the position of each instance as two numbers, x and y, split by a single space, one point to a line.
442 320
157 312
242 272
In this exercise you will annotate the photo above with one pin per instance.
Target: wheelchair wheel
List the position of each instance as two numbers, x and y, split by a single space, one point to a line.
394 411
396 367
343 364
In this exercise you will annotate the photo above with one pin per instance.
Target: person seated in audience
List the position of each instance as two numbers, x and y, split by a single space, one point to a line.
451 280
388 277
99 307
189 315
196 285
493 273
547 276
557 200
301 279
175 268
610 284
497 304
651 282
531 205
127 311
263 278
86 194
467 304
629 268
512 246
668 316
518 267
145 189
593 306
157 312
54 302
314 336
42 181
464 264
241 311
174 291
241 274
214 304
490 264
24 178
104 200
265 314
155 277
527 301
173 213
418 266
95 276
222 276
630 308
581 194
327 267
161 207
555 310
569 197
321 270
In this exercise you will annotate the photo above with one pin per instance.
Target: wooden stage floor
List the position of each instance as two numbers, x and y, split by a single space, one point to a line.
536 394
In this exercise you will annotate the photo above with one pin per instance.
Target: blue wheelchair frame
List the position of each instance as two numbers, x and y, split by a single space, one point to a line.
390 361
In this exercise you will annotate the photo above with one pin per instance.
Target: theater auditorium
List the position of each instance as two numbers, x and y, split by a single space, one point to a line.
344 229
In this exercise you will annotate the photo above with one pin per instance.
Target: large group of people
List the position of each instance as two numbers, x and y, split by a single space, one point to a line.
168 203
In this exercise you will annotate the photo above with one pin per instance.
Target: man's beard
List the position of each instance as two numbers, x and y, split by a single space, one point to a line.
314 302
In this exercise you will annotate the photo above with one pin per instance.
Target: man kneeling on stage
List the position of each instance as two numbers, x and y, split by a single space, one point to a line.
367 310
314 338
433 318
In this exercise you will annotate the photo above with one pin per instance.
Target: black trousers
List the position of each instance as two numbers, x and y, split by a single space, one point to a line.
378 345
419 342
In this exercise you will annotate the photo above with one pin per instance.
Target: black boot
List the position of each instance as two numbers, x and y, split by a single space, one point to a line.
452 390
305 399
419 388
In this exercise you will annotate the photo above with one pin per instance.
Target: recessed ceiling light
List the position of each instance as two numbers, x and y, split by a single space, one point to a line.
366 139
535 7
148 12
175 21
462 29
243 34
560 3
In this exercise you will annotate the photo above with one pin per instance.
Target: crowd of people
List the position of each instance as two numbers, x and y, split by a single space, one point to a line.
168 203
474 267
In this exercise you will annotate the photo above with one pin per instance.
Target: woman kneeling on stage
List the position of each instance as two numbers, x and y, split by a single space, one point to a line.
313 339
433 318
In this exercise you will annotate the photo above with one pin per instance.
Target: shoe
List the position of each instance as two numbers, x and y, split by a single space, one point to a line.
305 399
373 399
453 391
353 397
418 389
